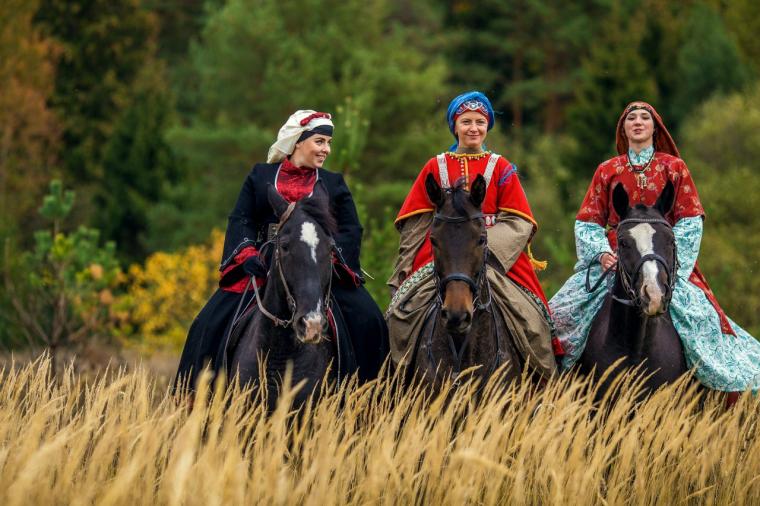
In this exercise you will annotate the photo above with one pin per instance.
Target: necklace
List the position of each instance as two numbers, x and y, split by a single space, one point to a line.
463 158
640 174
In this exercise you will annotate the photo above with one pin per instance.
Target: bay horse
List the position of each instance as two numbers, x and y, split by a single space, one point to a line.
289 326
463 327
634 323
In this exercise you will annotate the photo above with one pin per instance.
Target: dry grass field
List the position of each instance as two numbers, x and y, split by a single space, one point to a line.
120 439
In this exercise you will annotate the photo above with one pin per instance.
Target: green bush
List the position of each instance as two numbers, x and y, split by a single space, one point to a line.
61 289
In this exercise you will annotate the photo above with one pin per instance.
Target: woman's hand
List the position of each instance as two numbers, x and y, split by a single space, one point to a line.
608 260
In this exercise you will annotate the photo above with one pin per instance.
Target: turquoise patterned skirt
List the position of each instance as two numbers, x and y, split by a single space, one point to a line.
720 361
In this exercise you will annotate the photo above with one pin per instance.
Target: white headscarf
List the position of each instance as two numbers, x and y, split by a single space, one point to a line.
292 130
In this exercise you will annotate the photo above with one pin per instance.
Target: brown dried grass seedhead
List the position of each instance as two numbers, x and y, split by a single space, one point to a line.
122 440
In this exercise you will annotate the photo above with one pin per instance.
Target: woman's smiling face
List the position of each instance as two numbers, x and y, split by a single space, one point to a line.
312 152
639 127
471 129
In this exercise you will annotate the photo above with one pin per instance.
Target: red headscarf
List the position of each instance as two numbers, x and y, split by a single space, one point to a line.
663 142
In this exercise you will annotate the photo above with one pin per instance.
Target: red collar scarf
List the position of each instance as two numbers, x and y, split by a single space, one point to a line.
294 183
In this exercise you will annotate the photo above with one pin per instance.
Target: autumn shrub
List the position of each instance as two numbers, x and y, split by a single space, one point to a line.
164 294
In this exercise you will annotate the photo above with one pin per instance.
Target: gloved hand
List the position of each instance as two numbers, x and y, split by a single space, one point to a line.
253 266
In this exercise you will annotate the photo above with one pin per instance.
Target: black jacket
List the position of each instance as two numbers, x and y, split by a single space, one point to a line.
250 219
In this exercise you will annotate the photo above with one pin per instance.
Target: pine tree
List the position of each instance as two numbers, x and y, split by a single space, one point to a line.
614 74
138 166
259 61
707 62
525 53
104 45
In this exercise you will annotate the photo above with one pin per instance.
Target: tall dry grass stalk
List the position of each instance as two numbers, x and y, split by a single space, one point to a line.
121 440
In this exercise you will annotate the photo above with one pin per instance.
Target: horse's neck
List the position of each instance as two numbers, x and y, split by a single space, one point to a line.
627 322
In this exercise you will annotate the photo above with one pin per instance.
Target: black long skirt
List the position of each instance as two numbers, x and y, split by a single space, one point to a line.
361 328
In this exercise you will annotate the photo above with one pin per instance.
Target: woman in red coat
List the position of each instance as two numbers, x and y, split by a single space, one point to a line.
510 226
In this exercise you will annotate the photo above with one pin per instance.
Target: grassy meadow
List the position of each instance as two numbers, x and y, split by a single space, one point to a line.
122 439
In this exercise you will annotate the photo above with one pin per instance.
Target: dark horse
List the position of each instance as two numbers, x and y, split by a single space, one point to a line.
634 323
463 328
290 323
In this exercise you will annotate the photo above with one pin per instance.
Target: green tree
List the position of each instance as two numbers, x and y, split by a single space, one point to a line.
721 146
742 19
707 62
554 196
138 166
60 290
525 53
258 61
104 45
614 74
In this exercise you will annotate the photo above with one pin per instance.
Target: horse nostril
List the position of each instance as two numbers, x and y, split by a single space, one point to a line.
445 313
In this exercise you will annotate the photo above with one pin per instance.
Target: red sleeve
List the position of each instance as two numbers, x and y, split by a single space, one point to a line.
510 195
687 203
417 200
595 206
233 277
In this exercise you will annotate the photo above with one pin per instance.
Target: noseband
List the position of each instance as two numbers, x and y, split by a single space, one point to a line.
628 279
476 284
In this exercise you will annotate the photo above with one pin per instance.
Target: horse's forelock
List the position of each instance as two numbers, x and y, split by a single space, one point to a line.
460 196
319 213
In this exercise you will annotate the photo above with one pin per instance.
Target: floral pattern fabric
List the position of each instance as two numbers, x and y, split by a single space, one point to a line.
597 205
720 361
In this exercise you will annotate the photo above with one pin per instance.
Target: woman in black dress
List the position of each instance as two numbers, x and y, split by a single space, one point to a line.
294 165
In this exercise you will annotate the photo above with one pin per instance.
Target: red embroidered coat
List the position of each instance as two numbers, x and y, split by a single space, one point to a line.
504 193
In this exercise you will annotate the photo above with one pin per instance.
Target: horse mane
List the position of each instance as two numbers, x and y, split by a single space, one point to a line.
320 214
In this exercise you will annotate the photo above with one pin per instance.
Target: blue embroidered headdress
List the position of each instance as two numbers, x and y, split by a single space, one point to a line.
470 101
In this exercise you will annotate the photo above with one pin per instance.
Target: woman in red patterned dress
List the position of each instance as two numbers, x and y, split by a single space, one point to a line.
722 354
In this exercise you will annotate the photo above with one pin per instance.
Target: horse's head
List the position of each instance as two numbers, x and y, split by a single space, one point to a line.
303 259
458 237
646 251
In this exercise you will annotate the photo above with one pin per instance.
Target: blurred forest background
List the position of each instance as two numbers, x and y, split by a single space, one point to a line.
128 126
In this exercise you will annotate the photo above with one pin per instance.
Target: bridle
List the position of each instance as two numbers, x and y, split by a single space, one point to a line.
628 279
476 286
276 263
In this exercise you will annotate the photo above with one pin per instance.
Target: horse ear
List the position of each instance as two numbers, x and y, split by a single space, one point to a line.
319 194
433 190
478 191
620 200
666 199
278 203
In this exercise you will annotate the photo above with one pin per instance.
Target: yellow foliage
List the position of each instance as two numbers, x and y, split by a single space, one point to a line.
164 295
